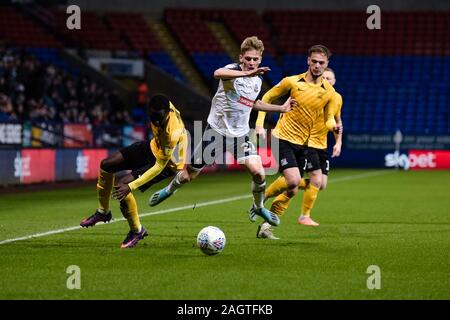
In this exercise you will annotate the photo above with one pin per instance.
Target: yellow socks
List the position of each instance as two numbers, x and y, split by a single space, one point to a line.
280 204
277 187
309 198
303 184
104 186
129 210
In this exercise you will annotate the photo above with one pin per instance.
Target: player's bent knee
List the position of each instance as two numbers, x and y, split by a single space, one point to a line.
316 180
258 177
106 165
318 185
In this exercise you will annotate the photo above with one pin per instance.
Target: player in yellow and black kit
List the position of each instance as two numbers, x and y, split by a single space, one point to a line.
317 157
316 101
149 162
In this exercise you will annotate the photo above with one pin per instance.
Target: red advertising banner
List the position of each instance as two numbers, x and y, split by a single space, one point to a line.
78 135
88 162
36 165
429 159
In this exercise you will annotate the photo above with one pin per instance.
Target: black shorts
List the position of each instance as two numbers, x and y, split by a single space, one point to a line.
139 158
213 147
317 159
291 155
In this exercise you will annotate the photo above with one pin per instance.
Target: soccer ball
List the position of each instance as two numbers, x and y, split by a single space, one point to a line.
211 240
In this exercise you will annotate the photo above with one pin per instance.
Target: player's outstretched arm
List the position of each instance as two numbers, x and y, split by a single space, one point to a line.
224 73
285 107
279 90
122 190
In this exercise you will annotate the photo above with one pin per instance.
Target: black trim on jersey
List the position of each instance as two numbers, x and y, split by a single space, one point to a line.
302 80
236 67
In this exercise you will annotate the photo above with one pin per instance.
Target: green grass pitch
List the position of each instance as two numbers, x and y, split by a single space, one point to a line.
396 220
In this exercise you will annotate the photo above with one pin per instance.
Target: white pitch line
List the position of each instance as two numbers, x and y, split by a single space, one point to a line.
38 235
190 206
362 175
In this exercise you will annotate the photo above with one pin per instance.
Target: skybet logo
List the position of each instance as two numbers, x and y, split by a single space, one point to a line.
418 159
22 166
82 164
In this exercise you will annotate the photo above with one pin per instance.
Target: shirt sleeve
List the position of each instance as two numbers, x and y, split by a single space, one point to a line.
163 156
339 106
260 119
277 91
149 175
330 111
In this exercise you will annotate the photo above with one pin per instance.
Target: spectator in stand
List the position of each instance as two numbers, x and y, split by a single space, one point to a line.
6 109
41 92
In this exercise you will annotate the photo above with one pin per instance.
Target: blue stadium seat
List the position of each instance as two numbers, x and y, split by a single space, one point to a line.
207 63
276 74
163 61
401 96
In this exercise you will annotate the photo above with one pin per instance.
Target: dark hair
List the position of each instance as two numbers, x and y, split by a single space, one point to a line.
318 48
159 102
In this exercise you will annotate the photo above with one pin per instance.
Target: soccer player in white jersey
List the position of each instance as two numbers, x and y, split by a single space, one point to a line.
228 126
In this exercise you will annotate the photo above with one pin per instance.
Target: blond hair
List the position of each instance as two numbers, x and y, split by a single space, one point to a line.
252 43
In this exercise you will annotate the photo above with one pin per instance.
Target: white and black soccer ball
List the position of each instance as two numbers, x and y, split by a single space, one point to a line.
211 240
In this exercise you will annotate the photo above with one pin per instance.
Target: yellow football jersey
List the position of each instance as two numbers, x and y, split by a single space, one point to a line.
171 141
313 101
319 132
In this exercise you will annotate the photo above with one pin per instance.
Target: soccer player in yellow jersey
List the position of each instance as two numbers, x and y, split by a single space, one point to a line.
317 157
318 141
317 102
149 162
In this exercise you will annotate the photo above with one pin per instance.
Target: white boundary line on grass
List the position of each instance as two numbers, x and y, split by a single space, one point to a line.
190 206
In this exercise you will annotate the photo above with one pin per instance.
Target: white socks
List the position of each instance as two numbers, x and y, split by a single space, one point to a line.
258 193
175 184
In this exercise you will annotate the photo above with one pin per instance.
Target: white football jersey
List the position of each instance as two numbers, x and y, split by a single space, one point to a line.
232 104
